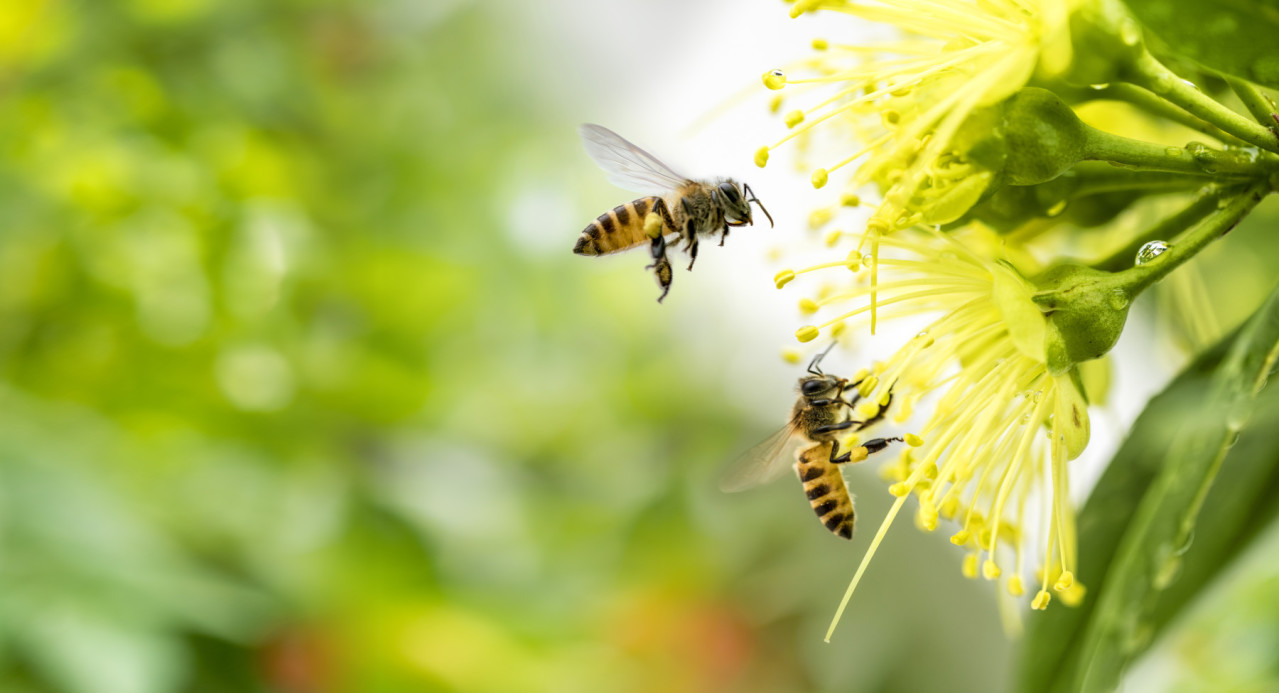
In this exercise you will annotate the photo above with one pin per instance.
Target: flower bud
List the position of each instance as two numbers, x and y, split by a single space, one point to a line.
1044 137
1086 311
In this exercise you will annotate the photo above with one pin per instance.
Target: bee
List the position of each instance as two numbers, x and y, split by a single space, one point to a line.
822 413
687 209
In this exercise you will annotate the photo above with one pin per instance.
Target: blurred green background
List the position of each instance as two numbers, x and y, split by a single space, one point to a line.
288 405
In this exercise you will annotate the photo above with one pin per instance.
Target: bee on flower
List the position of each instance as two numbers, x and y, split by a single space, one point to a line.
1002 425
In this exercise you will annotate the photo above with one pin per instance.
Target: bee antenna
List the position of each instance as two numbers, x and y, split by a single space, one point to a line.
754 199
813 367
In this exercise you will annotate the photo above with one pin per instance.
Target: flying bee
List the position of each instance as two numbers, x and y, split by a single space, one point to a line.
822 413
686 209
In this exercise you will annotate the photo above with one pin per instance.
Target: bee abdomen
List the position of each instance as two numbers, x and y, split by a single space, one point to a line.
824 486
620 228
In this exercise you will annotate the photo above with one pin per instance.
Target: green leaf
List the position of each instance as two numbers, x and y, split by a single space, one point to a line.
1235 37
1137 528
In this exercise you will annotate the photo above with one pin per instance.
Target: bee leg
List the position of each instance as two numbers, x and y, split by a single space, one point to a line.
864 450
723 235
661 266
692 250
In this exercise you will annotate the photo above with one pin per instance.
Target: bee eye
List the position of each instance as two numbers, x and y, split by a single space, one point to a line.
730 192
812 387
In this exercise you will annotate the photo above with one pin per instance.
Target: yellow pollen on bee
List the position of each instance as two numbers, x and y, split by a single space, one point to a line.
1041 600
807 333
1015 587
653 225
783 278
761 157
850 200
793 118
819 178
808 306
774 79
970 566
913 440
989 570
791 356
820 44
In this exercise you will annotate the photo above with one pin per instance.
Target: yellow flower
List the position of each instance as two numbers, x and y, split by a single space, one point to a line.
915 108
1001 426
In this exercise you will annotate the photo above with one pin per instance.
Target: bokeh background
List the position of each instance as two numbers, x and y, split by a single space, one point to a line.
304 392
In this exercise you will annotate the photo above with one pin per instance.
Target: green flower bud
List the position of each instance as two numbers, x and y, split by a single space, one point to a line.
1086 311
1044 137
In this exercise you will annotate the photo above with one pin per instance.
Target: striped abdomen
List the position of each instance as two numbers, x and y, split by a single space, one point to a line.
620 228
824 485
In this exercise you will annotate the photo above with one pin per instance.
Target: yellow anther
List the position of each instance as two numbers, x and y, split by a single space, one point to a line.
783 278
819 218
927 515
913 440
961 537
791 356
860 375
950 507
653 225
854 261
931 472
833 237
1041 601
989 570
819 178
807 333
761 157
808 306
837 329
820 44
1064 582
877 225
775 104
898 489
868 410
986 538
1014 586
884 398
1073 596
867 386
793 118
970 566
850 200
774 79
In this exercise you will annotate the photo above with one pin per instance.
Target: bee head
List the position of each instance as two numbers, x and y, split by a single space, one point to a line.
737 211
816 386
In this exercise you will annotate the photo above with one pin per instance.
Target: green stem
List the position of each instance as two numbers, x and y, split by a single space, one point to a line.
1095 177
1168 228
1194 158
1257 103
1151 74
1148 102
1136 279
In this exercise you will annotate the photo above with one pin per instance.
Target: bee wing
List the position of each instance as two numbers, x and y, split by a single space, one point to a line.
762 463
628 166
